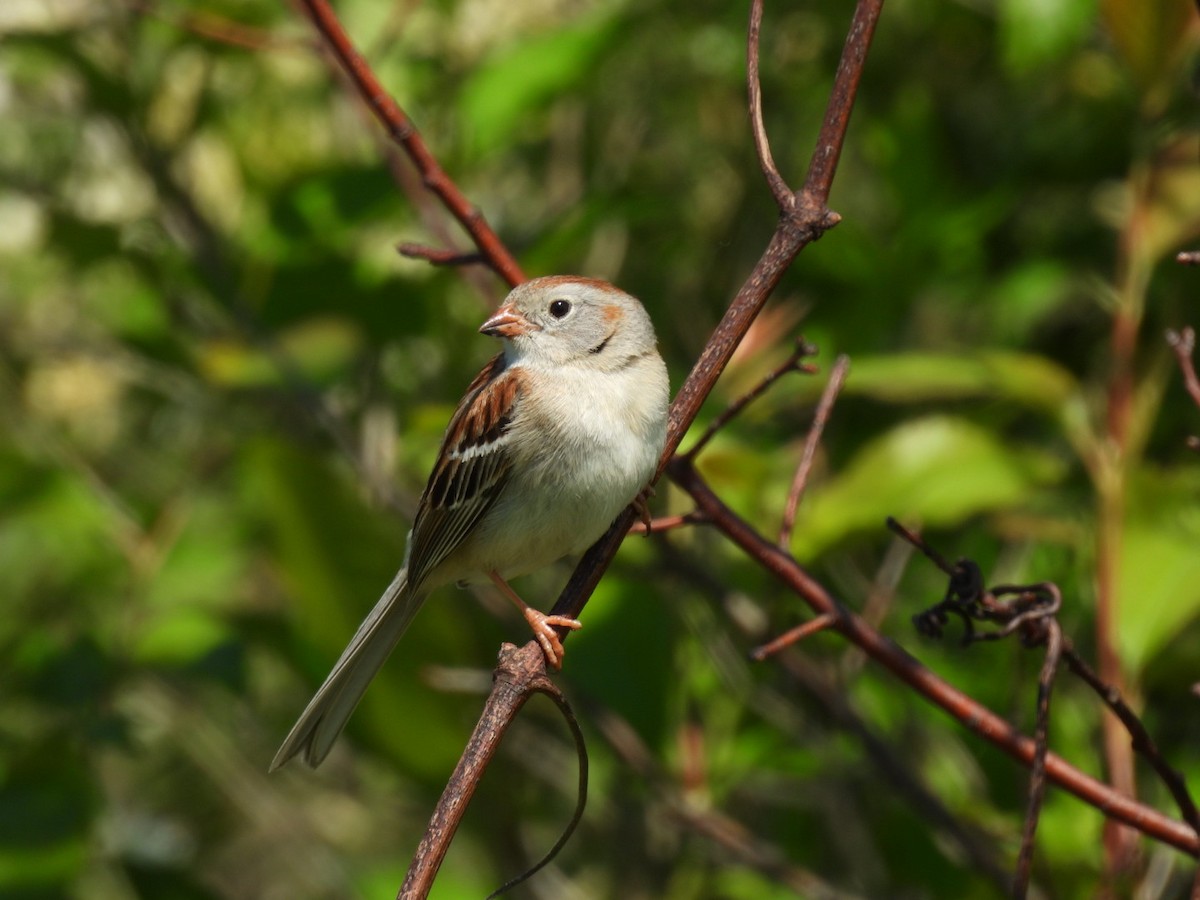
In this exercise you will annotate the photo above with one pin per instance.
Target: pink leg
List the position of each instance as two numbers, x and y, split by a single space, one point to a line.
542 624
641 505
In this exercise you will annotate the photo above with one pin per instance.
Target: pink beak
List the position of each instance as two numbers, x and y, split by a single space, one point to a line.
506 323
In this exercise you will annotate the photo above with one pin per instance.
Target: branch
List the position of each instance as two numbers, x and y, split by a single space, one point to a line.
401 130
800 480
520 673
961 707
794 363
800 223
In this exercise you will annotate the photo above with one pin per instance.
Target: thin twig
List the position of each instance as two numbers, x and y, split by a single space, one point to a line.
581 754
832 136
794 363
668 523
1142 742
762 145
1037 768
1183 344
437 257
837 377
1188 257
795 635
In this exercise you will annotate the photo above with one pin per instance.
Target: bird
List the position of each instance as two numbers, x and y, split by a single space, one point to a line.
552 439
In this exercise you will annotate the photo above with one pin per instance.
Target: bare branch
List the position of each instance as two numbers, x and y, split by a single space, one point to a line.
795 635
437 257
1142 742
1037 769
969 712
762 145
800 480
520 673
401 130
794 363
1183 345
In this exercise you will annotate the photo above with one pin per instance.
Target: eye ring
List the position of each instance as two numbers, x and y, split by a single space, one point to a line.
559 308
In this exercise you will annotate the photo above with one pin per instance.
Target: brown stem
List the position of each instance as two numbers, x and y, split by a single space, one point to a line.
969 712
1037 770
795 635
800 480
1142 742
794 363
401 130
1183 344
520 673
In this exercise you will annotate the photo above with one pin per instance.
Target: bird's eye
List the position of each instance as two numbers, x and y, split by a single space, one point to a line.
560 308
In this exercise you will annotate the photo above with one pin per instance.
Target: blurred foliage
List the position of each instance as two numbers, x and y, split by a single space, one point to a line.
221 390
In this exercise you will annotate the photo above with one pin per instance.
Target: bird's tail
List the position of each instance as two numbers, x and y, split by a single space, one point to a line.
330 708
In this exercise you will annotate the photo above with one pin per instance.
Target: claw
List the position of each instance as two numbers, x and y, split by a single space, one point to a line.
641 505
543 625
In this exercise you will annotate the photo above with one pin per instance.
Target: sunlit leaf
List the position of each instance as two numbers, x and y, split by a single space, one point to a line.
936 470
526 75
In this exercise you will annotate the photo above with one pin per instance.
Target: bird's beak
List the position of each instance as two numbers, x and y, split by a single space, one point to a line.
506 323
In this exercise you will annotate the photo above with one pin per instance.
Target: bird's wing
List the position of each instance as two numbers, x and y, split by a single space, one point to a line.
472 468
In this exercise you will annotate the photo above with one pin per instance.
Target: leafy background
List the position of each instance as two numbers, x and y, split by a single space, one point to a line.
220 392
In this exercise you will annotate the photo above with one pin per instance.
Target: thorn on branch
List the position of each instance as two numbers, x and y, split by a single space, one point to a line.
1188 257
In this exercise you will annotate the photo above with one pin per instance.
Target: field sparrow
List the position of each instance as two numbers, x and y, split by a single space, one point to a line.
550 442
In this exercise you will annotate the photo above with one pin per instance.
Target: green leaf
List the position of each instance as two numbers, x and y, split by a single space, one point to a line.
1036 32
1159 579
938 470
180 637
1029 380
496 99
318 349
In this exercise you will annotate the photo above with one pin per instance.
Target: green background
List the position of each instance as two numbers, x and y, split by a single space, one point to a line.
221 391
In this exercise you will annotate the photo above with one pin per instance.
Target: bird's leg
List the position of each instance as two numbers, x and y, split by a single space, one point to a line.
641 505
542 624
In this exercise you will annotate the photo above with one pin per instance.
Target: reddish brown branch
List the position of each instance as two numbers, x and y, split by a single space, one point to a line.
437 257
1142 742
970 713
794 363
667 523
520 673
1037 770
401 130
1183 345
795 635
783 194
799 225
800 480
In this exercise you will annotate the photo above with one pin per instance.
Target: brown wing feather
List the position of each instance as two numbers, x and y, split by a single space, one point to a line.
471 468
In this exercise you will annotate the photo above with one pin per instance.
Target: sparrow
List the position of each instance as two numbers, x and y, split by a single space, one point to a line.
557 434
